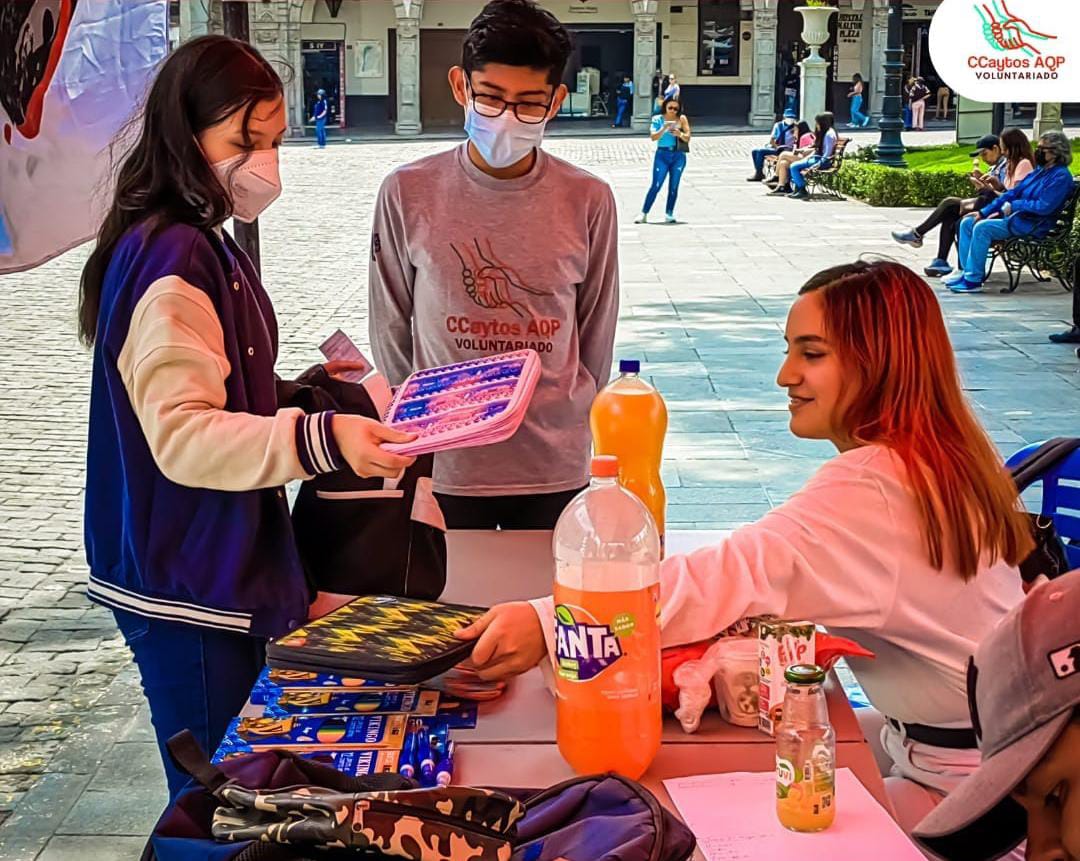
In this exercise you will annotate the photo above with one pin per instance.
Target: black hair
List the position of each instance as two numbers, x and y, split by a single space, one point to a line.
165 177
804 128
856 78
668 101
517 33
822 124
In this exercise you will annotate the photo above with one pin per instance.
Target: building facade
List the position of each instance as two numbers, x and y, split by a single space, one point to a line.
384 62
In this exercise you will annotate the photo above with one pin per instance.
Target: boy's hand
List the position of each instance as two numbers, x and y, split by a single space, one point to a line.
509 641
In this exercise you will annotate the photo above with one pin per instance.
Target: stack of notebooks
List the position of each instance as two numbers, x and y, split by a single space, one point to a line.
367 689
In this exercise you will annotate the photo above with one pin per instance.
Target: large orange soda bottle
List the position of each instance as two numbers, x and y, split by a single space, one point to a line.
629 420
607 637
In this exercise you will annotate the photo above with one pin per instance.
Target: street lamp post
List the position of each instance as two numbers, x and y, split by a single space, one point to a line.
247 235
891 146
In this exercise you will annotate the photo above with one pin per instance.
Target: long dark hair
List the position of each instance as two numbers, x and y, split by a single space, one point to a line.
822 124
165 178
1017 147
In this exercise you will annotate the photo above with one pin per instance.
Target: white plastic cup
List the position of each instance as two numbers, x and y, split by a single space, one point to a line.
736 683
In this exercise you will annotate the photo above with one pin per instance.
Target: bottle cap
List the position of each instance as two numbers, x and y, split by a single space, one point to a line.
605 466
629 366
804 674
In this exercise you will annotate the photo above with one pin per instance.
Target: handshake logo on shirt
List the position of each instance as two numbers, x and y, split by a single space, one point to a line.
488 281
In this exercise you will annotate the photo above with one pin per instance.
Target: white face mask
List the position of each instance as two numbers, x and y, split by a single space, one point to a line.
254 185
503 140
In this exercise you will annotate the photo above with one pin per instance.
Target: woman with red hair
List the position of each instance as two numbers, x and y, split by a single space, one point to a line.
907 541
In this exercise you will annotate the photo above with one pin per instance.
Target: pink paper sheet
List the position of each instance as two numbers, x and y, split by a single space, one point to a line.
733 817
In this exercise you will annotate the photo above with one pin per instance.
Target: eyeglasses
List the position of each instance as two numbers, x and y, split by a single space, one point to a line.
525 112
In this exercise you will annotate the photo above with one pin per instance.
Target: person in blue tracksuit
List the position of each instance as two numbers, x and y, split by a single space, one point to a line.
319 112
1028 209
187 529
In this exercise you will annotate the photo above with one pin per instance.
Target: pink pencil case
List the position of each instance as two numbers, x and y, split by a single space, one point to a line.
464 405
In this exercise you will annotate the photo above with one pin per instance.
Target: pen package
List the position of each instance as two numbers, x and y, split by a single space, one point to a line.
316 702
311 733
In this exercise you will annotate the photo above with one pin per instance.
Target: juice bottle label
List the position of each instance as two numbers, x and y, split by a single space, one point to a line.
805 795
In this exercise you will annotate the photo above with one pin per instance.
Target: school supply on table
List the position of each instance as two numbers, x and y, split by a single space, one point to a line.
354 763
273 681
304 732
326 703
379 637
749 828
465 404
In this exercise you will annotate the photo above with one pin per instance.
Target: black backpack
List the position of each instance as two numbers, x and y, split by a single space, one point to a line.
365 536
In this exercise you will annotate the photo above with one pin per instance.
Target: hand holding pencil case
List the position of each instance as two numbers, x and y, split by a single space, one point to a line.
463 405
379 637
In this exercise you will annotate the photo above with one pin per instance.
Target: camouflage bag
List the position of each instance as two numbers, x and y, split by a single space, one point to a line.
450 823
274 806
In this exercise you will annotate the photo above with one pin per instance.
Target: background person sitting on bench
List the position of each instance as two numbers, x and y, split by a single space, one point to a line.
783 138
1029 209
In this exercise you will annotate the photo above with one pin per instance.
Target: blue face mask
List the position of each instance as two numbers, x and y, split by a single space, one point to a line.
503 140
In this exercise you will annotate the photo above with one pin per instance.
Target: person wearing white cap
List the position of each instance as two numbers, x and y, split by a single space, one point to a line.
1024 689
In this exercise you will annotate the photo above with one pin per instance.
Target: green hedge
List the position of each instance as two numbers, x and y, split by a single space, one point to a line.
889 186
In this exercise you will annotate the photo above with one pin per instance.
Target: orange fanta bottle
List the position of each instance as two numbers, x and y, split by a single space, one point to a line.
607 637
629 420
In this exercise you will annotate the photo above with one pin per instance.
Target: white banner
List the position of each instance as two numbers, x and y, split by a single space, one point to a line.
1008 50
72 73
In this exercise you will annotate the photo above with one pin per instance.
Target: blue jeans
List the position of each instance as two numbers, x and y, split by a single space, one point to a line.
759 156
320 132
620 110
668 164
799 167
973 244
857 116
194 678
907 117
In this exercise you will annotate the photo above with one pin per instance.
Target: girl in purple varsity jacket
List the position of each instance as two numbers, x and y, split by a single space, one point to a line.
188 536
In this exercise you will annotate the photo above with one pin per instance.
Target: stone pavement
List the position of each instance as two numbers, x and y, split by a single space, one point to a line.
703 305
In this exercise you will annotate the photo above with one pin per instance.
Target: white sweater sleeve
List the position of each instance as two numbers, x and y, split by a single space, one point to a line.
174 367
826 555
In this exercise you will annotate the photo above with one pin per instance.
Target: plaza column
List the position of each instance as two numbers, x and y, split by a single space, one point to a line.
274 28
645 61
879 42
763 105
1048 118
199 18
409 14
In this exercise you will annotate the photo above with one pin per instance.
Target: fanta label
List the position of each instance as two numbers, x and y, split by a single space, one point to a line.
584 647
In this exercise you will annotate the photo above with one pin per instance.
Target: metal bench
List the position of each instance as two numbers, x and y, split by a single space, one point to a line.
1056 253
823 179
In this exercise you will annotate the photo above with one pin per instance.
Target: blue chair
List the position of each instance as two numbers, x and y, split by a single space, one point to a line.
1060 498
